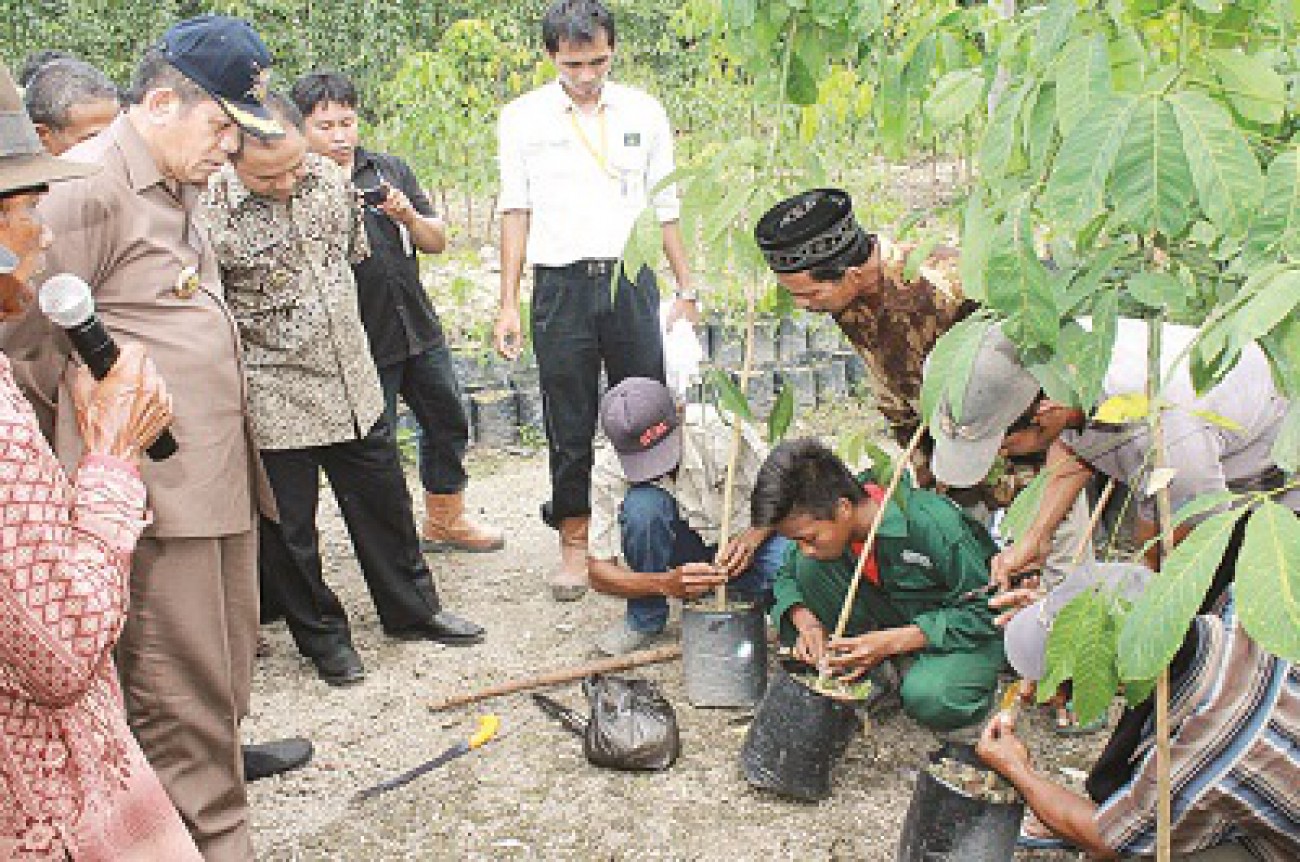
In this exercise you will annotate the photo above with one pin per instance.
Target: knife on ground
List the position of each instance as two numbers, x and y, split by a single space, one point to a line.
487 728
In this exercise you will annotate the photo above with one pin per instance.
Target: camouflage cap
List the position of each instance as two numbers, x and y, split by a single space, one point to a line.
808 229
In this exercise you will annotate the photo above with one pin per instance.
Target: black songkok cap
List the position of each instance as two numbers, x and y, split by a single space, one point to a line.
808 229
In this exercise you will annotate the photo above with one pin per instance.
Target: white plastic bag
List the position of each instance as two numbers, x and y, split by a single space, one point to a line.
683 353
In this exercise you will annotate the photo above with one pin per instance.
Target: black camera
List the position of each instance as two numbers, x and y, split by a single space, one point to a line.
373 197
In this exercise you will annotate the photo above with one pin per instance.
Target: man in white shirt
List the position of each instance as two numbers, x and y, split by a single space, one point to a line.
580 158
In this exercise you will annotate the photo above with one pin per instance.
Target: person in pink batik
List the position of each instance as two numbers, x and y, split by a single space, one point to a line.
73 782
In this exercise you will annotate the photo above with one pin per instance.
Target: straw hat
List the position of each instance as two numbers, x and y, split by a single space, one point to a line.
24 164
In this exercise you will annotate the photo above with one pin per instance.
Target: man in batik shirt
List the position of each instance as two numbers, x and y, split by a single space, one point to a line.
286 226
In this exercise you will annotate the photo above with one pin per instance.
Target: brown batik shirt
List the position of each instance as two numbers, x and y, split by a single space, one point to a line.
288 276
895 328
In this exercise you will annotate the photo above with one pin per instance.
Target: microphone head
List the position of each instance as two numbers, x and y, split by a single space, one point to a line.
66 299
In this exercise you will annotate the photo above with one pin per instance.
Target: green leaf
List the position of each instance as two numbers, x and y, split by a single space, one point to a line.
976 233
730 398
1081 647
1152 181
1268 580
1251 85
1275 230
1024 508
1158 621
999 143
954 97
1086 284
948 368
1082 80
1053 26
1076 189
778 423
727 211
1018 286
1225 171
1138 690
919 255
1094 365
801 85
1155 290
1286 448
1040 127
1271 302
1283 348
1201 504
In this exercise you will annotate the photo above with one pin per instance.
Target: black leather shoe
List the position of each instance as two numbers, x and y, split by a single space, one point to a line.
341 667
443 627
272 758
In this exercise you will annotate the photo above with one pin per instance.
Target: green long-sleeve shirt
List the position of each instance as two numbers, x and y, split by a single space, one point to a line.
929 553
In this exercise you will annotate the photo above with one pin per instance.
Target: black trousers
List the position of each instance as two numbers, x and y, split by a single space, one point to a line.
371 491
579 321
427 383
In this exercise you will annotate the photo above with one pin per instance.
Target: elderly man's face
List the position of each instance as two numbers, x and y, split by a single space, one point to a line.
23 233
85 120
273 169
194 140
831 297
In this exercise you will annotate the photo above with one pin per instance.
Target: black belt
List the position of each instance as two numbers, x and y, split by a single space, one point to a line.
592 267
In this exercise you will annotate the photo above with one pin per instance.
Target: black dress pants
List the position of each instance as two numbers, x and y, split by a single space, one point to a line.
366 476
579 322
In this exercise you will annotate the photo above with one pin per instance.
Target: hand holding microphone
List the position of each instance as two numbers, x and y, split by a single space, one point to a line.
129 408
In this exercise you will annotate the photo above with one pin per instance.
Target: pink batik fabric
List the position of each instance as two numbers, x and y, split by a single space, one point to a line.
73 779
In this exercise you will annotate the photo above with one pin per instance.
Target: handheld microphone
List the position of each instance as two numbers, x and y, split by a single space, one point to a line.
66 300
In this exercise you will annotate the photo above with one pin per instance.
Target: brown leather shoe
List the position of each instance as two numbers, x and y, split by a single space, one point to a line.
569 580
447 529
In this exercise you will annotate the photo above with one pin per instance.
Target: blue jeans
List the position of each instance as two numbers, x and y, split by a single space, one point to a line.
656 538
427 383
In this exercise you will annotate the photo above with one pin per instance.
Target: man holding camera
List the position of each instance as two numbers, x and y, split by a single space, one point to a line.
406 339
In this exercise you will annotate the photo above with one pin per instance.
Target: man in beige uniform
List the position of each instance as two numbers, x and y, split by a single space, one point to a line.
186 652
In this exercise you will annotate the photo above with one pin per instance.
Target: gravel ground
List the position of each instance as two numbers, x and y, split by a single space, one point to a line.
530 794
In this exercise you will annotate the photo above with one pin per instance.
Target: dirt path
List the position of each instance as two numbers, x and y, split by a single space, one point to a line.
530 794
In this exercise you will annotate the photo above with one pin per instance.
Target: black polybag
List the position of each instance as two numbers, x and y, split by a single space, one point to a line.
632 726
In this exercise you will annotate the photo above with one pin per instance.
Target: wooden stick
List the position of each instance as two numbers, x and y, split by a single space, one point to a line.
1164 510
737 437
847 608
559 677
1097 511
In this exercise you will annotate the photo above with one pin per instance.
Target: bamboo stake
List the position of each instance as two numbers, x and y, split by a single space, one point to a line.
737 436
561 676
1164 808
847 608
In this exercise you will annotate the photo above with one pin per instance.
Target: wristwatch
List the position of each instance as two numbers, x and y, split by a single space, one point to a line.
690 295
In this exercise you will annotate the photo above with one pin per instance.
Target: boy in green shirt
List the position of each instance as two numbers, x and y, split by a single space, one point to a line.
927 554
